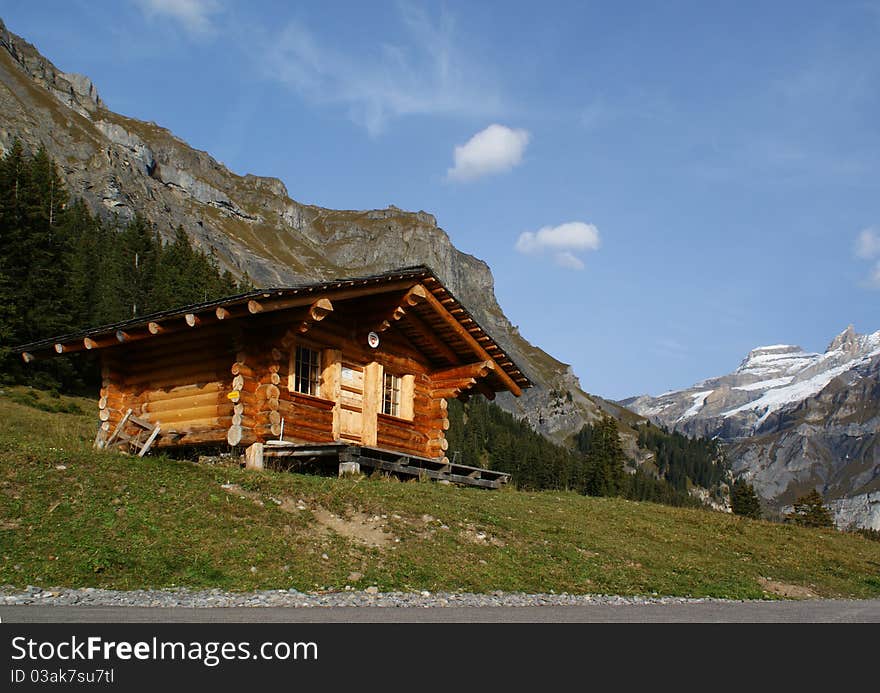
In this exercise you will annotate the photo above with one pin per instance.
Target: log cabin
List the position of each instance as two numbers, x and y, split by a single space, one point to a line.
359 368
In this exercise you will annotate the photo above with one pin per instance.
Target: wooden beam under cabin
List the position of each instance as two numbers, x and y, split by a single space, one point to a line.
480 369
316 312
413 297
66 348
100 342
128 336
320 309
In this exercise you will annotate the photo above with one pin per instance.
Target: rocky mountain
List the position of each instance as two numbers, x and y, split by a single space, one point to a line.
122 166
793 421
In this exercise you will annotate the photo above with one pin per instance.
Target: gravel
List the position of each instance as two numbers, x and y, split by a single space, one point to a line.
180 597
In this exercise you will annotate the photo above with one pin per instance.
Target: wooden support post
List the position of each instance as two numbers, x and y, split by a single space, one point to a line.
331 383
253 456
372 402
349 469
407 395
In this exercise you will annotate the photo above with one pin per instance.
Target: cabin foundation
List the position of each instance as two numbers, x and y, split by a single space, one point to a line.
355 459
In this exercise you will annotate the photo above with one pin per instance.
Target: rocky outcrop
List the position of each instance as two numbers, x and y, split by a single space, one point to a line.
859 511
792 421
122 166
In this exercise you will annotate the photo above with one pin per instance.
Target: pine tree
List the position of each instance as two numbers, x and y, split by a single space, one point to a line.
810 511
601 443
62 270
744 501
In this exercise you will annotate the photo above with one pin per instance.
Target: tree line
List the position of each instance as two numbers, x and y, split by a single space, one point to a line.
483 434
62 270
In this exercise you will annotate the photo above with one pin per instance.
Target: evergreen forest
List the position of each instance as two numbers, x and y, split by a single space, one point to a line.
483 434
63 270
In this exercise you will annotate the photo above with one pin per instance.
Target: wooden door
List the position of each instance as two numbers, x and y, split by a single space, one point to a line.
351 402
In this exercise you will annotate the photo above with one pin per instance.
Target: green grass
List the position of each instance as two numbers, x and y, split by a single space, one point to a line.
71 516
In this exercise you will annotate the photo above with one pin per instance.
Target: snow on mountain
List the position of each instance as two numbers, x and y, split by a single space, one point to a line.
775 361
768 379
699 400
792 420
774 398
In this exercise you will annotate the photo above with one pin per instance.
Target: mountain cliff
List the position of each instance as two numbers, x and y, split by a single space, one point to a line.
122 166
793 421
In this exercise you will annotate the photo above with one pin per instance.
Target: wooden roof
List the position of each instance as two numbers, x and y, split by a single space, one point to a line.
440 326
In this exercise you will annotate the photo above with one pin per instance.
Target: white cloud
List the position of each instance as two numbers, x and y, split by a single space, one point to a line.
193 15
494 150
425 72
561 241
569 260
868 244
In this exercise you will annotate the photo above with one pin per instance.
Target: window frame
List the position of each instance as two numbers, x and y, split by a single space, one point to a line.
313 381
395 390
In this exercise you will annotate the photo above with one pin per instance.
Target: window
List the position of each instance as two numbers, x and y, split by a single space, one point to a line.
391 395
306 371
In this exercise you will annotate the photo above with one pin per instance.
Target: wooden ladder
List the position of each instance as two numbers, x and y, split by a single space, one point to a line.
141 441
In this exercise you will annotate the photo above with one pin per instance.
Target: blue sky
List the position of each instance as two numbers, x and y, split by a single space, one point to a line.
657 187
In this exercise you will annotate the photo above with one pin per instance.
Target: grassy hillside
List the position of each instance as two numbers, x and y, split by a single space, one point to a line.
75 517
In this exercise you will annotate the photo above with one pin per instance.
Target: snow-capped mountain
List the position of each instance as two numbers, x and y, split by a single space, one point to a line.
794 420
769 379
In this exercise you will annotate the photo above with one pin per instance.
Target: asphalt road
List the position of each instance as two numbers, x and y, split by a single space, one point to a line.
811 611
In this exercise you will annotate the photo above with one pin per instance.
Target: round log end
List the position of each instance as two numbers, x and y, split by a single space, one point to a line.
233 436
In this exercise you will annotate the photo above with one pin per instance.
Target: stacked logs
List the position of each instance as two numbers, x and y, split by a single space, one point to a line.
188 414
395 434
430 416
112 402
267 420
307 418
178 391
178 384
437 443
243 396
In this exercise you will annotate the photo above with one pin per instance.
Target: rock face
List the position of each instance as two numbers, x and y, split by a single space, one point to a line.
121 166
793 421
858 511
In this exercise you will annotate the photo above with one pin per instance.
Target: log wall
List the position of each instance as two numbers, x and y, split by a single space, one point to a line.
229 382
306 418
180 382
